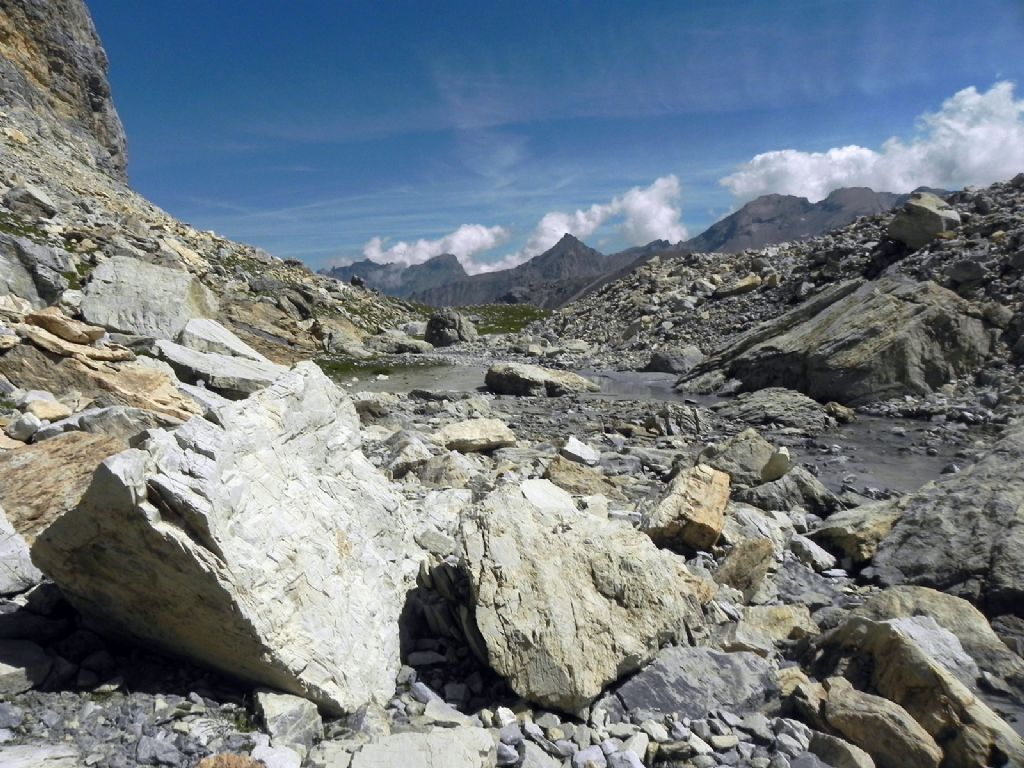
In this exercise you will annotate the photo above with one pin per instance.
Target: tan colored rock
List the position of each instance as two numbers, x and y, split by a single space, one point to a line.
44 480
48 410
54 321
857 532
580 480
476 435
130 383
921 219
967 730
692 512
958 616
883 729
564 602
45 340
746 565
744 285
781 622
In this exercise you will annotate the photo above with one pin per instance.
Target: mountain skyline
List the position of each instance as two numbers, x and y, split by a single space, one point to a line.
402 132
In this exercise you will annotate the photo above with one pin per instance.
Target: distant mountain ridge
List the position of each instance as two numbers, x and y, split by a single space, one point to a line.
570 269
781 218
401 281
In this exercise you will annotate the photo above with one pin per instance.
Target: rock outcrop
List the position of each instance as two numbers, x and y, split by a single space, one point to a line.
566 603
855 344
266 546
964 534
131 296
53 73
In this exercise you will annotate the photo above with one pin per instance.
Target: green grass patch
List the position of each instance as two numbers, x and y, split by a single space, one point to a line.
504 318
14 225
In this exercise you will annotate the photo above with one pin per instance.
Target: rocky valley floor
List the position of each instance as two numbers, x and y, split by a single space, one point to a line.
761 509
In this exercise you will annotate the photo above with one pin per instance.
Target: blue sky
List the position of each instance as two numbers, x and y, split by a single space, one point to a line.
312 128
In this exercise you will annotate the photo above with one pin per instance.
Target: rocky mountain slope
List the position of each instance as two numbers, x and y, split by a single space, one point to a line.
212 554
782 218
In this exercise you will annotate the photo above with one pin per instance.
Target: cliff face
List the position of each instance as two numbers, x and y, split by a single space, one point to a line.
53 79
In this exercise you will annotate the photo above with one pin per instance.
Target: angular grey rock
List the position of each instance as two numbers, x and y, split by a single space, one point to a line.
679 360
693 682
476 435
119 421
857 343
291 721
233 377
798 488
268 547
921 218
596 599
964 533
448 747
745 457
205 335
131 296
533 380
30 201
31 271
17 573
777 405
447 327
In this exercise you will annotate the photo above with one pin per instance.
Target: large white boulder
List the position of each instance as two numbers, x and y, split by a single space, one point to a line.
227 375
266 546
131 296
566 603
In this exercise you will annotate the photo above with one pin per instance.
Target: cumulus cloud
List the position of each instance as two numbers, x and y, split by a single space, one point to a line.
643 214
465 242
647 214
974 138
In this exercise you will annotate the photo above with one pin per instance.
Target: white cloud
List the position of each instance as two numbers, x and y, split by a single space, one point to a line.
975 138
465 242
646 214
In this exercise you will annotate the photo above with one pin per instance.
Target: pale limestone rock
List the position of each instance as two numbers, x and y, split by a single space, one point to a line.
567 603
578 451
904 673
267 547
16 570
691 514
205 335
448 747
134 384
290 721
857 532
233 377
131 296
40 756
476 435
923 217
523 379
